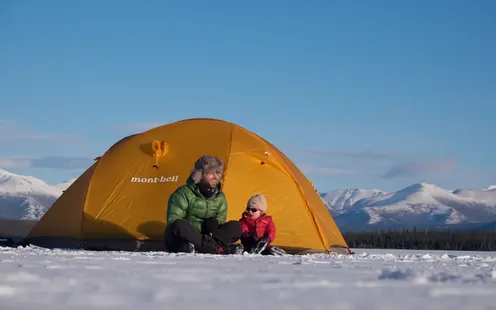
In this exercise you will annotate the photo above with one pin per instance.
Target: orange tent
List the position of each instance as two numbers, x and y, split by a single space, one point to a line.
120 202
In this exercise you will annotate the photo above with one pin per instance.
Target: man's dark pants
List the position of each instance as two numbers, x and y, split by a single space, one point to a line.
181 231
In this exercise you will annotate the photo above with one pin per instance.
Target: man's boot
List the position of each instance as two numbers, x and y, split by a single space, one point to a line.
187 247
235 249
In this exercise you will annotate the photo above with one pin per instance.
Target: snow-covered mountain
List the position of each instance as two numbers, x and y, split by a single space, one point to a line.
64 185
11 183
488 194
422 205
26 197
341 199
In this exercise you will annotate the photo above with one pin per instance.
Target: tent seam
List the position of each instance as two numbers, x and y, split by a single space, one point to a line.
228 151
323 238
86 198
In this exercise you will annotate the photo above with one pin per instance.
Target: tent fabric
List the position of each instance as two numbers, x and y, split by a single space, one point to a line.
121 200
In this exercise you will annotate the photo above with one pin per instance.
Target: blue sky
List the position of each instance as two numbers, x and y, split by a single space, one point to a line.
359 94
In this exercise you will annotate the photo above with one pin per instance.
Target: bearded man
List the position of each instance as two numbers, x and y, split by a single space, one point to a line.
197 212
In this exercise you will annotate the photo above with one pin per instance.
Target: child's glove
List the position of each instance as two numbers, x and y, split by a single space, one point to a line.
260 245
249 239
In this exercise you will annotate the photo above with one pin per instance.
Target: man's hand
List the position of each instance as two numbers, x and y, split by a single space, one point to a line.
210 225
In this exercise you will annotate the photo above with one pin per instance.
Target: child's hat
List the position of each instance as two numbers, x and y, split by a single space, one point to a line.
259 202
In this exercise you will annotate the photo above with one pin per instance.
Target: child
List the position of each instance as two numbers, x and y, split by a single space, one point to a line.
257 228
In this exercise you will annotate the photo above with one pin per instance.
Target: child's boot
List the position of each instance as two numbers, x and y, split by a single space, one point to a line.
276 251
259 246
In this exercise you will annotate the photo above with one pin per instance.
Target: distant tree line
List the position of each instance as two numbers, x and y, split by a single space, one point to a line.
423 240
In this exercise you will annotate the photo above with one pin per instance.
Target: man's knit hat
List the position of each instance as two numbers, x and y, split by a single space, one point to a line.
206 164
259 202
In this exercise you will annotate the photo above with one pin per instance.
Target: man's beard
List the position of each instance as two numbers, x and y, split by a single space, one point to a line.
207 189
211 185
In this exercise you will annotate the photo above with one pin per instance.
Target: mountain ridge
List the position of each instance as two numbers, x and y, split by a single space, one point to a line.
26 197
419 204
422 205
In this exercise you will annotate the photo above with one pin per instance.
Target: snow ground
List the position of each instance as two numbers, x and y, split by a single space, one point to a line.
36 278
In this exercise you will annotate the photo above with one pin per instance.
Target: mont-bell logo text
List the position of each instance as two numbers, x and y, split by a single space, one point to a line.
162 179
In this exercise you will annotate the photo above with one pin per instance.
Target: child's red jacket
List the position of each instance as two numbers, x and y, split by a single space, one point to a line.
261 226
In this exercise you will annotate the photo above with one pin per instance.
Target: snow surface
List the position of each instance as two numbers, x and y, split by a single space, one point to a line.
37 278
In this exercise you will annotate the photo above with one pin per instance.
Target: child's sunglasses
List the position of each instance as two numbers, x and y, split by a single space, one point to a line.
252 209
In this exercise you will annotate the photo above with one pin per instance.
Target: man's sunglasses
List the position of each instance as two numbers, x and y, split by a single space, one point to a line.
252 209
